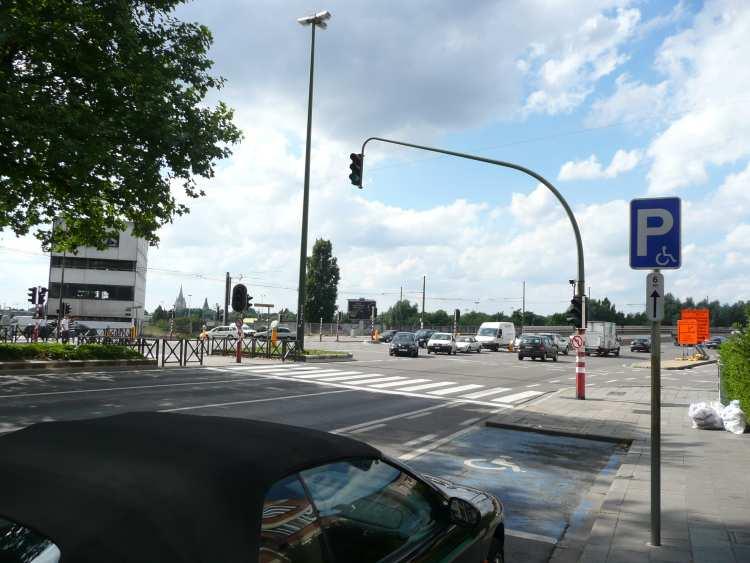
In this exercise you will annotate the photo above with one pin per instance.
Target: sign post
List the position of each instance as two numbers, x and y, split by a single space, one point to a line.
655 245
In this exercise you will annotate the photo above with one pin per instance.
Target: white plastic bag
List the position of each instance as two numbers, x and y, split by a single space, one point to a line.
706 416
734 418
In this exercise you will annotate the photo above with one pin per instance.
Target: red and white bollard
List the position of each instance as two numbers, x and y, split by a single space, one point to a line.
581 366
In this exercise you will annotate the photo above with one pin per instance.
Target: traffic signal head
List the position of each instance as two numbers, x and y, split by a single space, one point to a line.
249 301
66 308
239 298
32 295
42 295
356 167
574 314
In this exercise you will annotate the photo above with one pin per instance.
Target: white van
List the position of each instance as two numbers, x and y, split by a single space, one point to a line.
496 335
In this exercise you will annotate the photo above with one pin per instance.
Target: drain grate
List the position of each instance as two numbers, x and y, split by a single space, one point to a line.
741 538
616 393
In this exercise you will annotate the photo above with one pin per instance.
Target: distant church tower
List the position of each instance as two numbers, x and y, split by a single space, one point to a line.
205 309
179 304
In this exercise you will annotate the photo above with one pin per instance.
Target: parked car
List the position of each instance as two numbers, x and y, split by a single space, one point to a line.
442 342
282 333
561 342
640 345
467 344
537 346
255 491
404 343
387 335
496 335
222 331
423 336
714 342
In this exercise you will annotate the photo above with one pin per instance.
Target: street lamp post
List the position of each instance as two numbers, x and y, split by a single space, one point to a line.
317 20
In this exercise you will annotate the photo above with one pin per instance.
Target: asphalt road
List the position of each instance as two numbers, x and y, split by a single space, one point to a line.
426 411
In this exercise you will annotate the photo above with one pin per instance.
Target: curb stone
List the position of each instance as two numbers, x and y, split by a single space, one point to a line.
62 364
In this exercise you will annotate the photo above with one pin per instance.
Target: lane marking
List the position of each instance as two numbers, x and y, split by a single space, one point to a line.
415 441
380 379
531 536
458 389
487 393
469 421
258 367
397 383
517 397
613 380
534 385
427 386
326 374
347 378
233 403
555 381
367 428
419 415
436 444
408 414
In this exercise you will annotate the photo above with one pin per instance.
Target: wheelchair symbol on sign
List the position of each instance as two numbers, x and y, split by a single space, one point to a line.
664 258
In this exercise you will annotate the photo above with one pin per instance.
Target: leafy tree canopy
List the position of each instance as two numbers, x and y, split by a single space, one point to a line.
321 283
101 111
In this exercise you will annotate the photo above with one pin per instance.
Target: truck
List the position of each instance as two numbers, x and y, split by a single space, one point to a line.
601 339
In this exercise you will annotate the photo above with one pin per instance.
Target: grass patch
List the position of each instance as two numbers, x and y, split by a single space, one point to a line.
735 371
57 351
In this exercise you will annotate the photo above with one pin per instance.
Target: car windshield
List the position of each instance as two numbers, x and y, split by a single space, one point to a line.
440 336
463 339
404 337
487 332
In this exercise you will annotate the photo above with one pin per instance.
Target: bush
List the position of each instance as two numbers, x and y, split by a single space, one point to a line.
56 351
735 360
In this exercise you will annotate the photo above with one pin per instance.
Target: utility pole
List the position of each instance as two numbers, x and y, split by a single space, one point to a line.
523 306
400 299
227 287
424 285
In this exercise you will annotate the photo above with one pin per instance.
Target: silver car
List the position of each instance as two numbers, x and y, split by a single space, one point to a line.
562 342
468 344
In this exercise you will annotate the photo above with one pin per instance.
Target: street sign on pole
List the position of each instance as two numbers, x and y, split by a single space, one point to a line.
655 296
655 234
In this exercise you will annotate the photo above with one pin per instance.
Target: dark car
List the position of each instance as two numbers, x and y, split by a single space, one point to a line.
640 345
404 343
537 347
422 336
178 488
47 330
714 342
387 335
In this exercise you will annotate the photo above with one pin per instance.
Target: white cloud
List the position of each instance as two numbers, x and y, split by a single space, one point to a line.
632 103
591 169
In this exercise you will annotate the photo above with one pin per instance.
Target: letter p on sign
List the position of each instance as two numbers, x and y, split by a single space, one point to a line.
655 237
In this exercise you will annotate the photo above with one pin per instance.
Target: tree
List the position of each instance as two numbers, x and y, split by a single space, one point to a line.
101 111
402 314
321 283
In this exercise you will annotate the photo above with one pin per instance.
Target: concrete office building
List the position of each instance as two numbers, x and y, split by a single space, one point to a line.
101 285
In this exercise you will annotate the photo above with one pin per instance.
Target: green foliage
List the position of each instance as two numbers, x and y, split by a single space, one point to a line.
57 351
735 359
321 285
101 111
402 313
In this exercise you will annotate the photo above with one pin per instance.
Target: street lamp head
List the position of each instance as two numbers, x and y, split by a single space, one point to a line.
318 19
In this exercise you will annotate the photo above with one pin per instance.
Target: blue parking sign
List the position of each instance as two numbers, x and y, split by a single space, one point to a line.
655 241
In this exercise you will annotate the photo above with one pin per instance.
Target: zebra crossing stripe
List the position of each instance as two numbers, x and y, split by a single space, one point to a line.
315 374
426 386
397 383
380 379
348 378
270 366
517 397
456 389
487 393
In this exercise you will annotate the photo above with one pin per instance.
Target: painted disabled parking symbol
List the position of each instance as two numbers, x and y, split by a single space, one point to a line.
498 464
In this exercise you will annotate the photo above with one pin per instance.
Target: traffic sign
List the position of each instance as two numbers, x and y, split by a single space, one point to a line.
655 241
577 342
655 296
701 316
687 332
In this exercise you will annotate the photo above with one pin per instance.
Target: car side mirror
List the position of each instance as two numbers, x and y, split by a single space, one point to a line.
463 512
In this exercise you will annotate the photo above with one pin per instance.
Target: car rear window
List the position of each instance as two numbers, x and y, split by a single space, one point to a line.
531 340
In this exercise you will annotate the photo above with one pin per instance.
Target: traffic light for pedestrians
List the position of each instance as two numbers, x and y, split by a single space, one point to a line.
239 298
356 167
574 314
66 308
42 295
32 295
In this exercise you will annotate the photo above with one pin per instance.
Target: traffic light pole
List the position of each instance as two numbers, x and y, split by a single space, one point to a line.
581 281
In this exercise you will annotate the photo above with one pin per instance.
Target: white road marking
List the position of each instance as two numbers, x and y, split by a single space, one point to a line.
629 378
487 393
420 415
367 428
436 444
427 386
348 378
388 418
571 378
233 403
458 389
517 397
289 369
470 421
415 441
534 385
397 383
324 374
611 381
531 536
379 379
271 366
555 381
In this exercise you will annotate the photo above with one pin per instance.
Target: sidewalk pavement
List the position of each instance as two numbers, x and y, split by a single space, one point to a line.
705 478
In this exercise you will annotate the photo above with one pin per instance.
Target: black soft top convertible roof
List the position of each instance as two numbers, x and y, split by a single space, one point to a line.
154 486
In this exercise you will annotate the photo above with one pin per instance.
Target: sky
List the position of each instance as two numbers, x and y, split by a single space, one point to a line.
609 100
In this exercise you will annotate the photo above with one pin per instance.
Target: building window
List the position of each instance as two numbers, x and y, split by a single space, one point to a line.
113 242
77 263
92 291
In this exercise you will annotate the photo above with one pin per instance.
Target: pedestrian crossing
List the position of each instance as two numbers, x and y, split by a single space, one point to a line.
393 384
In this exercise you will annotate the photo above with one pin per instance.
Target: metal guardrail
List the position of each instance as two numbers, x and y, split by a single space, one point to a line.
253 347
